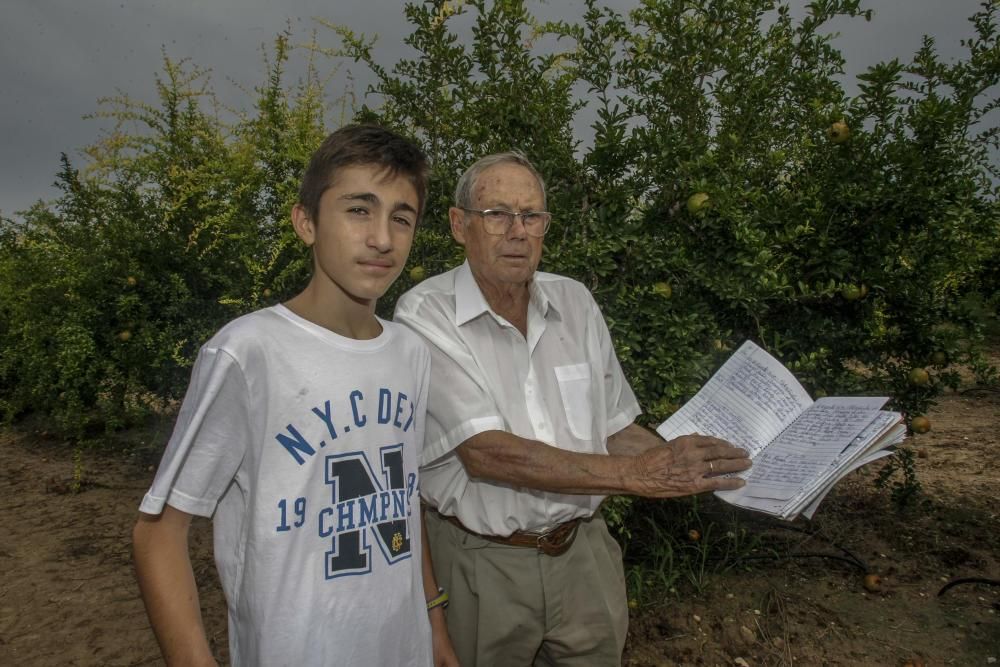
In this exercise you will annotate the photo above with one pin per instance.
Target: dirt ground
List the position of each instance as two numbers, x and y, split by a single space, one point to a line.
68 597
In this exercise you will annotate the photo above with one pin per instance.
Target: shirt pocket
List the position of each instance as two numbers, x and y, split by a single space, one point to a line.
577 398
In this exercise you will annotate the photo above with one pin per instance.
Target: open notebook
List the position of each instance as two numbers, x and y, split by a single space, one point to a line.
799 447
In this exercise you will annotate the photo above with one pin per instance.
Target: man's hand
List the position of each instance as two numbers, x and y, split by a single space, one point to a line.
687 465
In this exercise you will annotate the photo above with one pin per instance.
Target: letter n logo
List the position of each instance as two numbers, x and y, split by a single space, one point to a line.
369 508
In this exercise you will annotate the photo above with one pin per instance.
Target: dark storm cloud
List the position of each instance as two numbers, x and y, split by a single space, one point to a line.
57 57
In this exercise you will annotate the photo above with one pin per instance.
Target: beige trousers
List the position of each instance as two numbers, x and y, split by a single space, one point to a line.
516 607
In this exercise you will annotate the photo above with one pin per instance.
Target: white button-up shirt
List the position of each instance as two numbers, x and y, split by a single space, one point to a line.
561 385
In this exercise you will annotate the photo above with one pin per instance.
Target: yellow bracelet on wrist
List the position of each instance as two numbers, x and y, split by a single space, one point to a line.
440 601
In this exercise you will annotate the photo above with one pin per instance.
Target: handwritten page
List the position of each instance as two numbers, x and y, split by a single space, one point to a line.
808 506
808 446
749 401
887 430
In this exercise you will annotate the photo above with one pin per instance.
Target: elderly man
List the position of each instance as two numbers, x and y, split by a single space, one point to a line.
529 427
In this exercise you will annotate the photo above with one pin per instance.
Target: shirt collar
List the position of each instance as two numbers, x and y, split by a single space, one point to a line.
470 302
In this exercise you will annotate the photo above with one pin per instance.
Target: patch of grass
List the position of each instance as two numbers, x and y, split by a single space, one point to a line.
677 544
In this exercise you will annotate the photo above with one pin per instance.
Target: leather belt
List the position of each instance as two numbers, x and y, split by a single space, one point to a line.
552 542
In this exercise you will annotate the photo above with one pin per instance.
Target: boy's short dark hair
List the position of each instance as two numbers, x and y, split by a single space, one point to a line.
359 145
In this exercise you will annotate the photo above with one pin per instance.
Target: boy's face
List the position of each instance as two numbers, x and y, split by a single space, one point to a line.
363 235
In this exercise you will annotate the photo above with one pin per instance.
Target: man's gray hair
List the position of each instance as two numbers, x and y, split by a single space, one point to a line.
463 191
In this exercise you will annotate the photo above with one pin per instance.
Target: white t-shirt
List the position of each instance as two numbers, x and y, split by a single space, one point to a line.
562 385
303 446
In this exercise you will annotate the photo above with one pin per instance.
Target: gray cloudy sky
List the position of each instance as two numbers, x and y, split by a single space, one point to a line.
57 57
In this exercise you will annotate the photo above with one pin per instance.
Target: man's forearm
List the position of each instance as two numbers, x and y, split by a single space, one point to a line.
504 457
166 581
652 468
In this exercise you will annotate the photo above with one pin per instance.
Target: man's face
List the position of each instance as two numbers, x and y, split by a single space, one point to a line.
363 235
510 258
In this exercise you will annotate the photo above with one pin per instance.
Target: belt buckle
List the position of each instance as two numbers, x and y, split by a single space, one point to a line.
540 541
548 548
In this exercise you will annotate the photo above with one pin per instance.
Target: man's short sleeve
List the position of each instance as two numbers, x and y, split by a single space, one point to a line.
209 439
459 402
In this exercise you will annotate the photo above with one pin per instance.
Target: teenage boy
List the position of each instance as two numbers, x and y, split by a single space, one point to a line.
300 436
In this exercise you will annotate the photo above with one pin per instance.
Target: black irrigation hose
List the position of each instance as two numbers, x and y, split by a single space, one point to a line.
848 555
850 561
984 390
967 580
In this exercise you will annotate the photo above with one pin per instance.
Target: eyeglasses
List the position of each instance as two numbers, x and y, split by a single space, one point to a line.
498 221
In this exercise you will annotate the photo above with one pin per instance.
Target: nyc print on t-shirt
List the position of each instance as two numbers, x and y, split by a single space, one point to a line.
369 500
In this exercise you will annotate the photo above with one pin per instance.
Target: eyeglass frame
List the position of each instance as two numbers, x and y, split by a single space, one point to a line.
511 216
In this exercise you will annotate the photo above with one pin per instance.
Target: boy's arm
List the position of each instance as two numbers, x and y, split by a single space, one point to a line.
166 580
444 653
